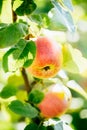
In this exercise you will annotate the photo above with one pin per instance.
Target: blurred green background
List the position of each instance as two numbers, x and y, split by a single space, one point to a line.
77 116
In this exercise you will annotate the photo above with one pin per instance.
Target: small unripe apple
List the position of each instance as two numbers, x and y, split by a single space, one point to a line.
48 60
55 102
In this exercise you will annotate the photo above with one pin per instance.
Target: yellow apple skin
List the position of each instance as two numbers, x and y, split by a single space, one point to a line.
56 101
48 60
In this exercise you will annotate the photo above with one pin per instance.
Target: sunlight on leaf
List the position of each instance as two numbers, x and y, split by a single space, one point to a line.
68 4
6 13
22 54
76 87
74 62
67 127
66 17
55 22
16 3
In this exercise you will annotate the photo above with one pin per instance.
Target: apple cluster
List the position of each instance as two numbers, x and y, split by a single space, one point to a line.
47 63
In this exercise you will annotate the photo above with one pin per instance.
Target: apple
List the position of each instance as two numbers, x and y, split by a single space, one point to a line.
48 59
56 101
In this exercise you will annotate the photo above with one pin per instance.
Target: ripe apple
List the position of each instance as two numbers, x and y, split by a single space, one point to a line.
56 101
48 60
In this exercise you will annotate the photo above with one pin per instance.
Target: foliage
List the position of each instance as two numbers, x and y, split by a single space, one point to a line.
23 54
35 96
20 92
23 109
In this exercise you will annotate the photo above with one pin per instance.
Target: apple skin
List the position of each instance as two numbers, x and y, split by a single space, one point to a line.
48 59
56 101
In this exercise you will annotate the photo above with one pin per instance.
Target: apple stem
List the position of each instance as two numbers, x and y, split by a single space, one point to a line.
26 81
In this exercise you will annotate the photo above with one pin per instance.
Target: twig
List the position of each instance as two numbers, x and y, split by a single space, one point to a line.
23 71
24 75
14 16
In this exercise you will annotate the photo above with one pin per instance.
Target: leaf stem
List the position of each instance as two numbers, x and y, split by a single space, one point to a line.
24 75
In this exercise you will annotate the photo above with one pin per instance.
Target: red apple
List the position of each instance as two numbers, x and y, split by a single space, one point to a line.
48 60
56 101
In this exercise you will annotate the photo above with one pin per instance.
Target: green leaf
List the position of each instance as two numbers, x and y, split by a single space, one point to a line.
41 19
42 128
37 18
31 126
8 91
3 25
73 61
16 3
68 4
66 18
22 49
36 96
1 3
50 128
23 54
12 33
46 21
5 59
23 109
27 7
15 79
25 51
34 126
